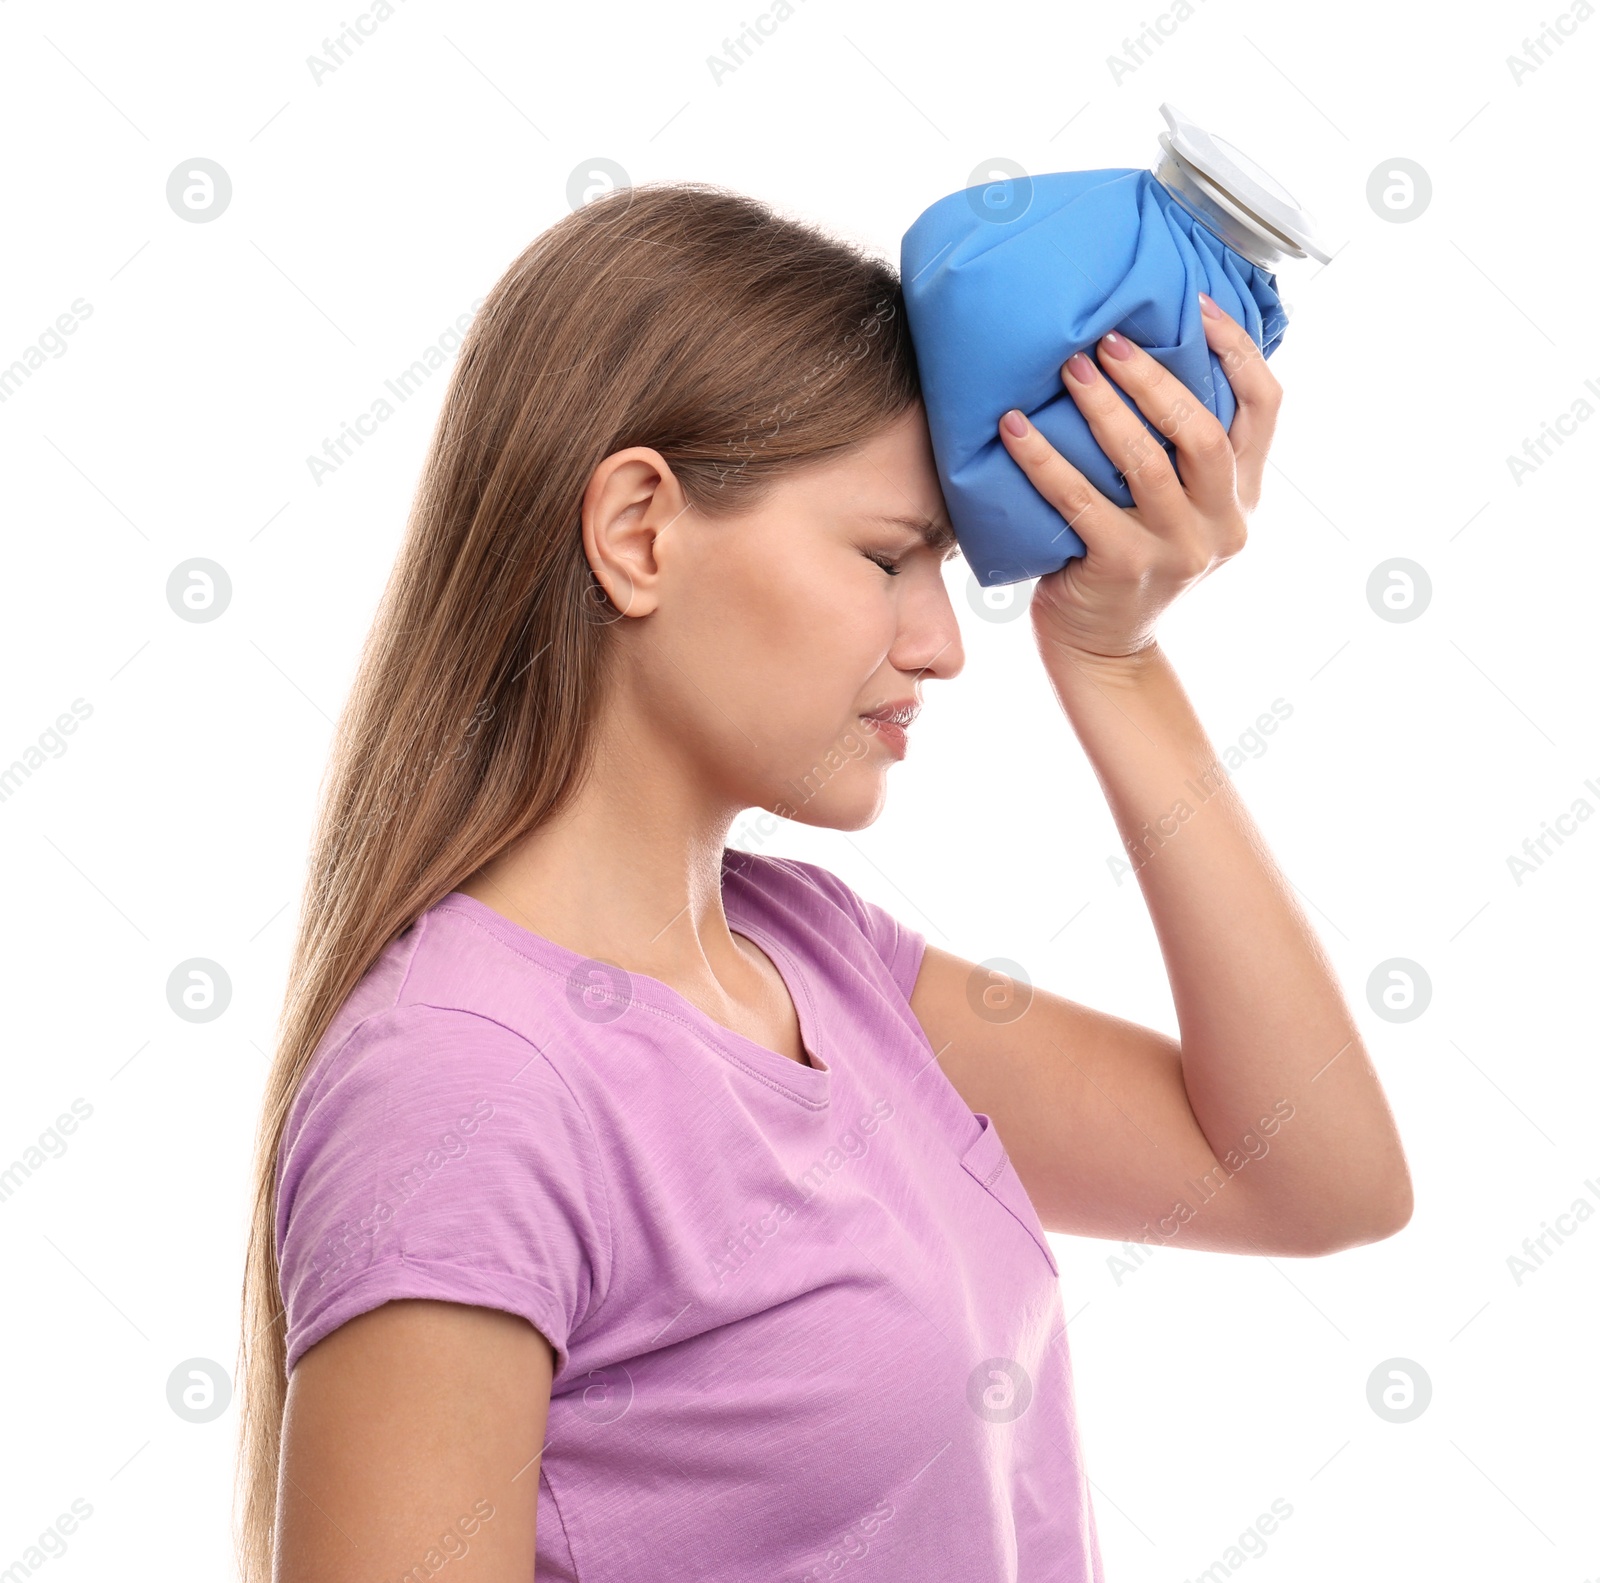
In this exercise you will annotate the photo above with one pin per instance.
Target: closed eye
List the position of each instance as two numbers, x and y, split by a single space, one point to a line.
882 560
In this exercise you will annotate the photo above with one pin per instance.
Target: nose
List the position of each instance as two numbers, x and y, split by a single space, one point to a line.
929 641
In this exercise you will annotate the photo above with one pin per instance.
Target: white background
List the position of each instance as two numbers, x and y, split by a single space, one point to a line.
367 213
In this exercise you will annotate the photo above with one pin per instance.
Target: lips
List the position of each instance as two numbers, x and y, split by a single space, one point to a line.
897 714
889 724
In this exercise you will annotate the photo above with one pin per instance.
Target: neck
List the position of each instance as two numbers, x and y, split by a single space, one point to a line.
631 870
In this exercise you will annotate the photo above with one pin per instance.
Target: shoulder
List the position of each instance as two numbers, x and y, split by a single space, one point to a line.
416 1088
418 1055
819 897
434 1152
787 876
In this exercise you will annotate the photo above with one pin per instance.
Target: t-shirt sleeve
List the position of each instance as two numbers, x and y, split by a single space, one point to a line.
897 944
440 1155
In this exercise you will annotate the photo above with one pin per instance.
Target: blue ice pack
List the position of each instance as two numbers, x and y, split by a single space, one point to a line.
1005 281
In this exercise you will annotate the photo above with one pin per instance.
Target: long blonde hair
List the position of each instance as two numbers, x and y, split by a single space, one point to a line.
738 343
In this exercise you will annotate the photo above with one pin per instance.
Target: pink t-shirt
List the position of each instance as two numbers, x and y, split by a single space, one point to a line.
805 1318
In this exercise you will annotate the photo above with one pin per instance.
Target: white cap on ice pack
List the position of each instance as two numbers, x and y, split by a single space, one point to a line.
1232 195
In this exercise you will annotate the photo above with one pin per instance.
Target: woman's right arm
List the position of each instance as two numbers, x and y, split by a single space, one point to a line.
411 1436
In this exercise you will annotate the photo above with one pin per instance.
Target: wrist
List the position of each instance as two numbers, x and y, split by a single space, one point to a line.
1069 663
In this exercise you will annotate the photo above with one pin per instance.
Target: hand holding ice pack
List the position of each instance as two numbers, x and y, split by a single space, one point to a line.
1006 281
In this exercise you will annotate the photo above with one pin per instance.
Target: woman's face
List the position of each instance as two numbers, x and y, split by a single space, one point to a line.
752 647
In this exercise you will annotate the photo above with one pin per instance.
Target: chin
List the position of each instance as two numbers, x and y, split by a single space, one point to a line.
842 807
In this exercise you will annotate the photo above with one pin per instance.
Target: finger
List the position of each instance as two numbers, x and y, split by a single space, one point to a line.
1255 390
1137 454
1205 456
1097 521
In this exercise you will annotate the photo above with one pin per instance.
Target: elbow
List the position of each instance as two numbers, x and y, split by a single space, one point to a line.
1390 1213
1377 1227
1378 1217
1402 1204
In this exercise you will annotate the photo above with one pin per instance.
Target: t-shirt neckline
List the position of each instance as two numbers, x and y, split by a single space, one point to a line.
811 1083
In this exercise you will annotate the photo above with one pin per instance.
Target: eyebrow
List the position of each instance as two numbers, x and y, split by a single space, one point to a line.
939 535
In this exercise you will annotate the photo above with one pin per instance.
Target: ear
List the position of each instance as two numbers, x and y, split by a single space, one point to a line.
632 499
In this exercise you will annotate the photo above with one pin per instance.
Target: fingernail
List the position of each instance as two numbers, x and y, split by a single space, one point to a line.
1081 368
1116 347
1209 308
1015 423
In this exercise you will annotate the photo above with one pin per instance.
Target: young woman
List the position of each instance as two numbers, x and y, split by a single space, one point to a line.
644 1208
